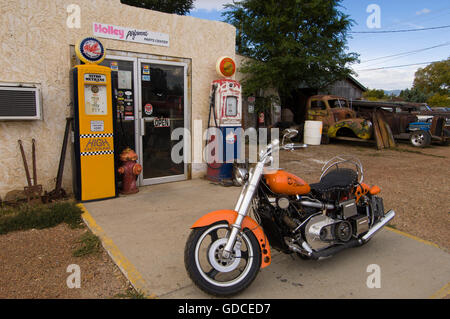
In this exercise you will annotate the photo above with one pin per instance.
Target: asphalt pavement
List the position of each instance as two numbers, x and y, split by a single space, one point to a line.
145 234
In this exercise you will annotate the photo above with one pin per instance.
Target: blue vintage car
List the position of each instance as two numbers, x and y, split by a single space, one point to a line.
423 133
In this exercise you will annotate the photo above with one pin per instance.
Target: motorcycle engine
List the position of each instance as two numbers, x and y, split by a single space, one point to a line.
319 232
349 220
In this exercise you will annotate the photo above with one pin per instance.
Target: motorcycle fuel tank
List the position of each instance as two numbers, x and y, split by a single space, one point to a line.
282 182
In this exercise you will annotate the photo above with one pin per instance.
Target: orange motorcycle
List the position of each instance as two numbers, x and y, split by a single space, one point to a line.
226 248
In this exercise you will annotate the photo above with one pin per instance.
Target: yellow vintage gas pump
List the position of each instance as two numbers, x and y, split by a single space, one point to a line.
93 114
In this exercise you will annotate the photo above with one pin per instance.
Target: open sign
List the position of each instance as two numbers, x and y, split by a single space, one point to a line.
161 122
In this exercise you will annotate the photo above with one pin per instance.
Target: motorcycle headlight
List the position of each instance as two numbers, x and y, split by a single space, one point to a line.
240 175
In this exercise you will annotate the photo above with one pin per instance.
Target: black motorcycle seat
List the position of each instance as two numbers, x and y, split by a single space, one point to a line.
338 179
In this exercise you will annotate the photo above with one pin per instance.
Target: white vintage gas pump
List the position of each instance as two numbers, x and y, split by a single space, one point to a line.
226 116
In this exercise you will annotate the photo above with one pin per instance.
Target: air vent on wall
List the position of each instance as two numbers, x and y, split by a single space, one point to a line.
20 103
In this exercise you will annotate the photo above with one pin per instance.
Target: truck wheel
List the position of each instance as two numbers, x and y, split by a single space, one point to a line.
420 138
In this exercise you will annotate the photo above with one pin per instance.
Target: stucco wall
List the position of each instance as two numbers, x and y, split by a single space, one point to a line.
35 47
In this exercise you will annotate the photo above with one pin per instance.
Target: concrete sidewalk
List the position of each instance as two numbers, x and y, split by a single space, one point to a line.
150 230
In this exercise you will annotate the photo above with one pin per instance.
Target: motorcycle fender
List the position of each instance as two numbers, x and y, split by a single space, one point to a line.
230 216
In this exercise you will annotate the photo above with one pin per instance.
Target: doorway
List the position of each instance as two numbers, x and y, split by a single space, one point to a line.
162 104
151 97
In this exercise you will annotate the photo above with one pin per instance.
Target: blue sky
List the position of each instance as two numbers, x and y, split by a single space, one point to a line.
394 15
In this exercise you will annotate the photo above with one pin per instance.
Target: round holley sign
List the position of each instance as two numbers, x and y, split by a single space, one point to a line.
90 50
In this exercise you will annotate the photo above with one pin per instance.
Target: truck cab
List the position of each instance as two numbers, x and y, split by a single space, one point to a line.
338 119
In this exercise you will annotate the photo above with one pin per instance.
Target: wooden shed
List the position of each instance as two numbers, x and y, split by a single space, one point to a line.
349 88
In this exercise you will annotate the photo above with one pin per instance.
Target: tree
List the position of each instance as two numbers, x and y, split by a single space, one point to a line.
181 7
434 78
439 100
292 44
375 94
414 95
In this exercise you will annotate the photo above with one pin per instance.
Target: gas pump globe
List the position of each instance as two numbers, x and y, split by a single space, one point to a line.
226 116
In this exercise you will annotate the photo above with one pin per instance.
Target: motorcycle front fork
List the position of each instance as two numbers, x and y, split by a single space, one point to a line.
242 205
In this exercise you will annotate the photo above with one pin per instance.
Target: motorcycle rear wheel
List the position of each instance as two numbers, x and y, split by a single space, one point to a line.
214 274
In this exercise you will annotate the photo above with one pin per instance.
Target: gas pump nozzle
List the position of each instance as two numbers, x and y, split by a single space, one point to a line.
212 105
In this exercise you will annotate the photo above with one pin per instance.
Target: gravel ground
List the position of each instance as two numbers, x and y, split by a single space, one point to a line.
34 264
414 182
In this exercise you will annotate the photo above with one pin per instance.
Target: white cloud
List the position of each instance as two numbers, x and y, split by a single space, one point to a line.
423 11
388 79
210 5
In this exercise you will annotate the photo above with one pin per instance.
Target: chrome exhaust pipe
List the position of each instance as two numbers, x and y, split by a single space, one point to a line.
304 250
319 205
375 228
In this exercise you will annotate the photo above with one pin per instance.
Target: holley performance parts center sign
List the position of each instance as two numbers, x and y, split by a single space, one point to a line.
127 34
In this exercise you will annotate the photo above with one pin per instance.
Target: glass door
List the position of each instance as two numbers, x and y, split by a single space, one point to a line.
123 70
162 109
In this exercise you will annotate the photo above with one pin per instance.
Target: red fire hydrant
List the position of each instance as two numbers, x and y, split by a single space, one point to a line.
130 170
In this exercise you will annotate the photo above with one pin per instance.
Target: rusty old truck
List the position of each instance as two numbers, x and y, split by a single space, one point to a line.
407 122
339 120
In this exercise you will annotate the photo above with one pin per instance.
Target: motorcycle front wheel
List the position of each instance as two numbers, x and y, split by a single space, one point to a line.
211 272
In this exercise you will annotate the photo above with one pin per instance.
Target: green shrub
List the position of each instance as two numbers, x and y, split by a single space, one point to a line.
41 216
131 293
90 244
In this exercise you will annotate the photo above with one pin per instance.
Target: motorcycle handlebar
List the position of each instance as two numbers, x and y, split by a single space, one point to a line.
274 145
275 142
